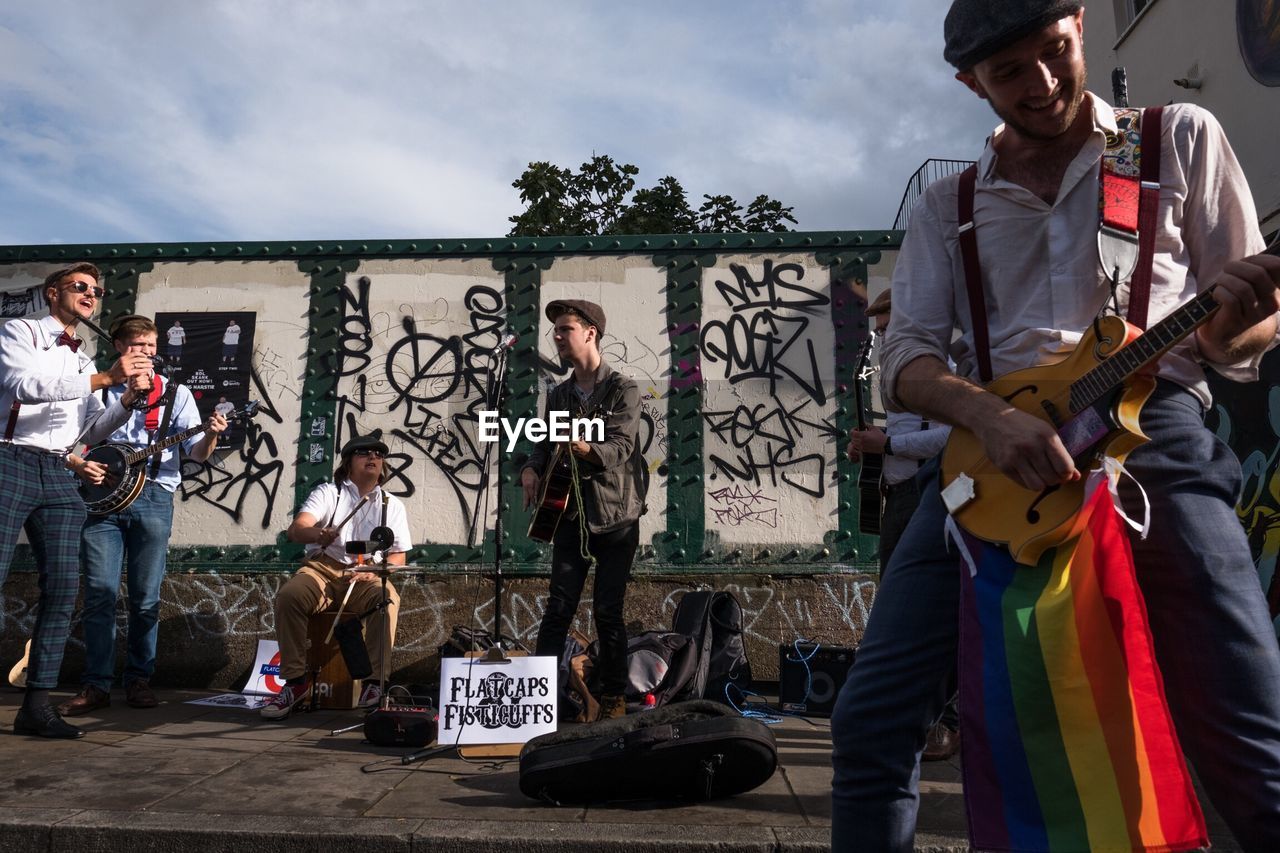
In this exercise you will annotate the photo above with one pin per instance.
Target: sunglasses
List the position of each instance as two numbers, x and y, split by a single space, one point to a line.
369 451
86 287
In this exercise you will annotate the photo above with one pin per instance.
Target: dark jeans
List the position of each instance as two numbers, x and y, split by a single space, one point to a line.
1214 642
614 552
900 502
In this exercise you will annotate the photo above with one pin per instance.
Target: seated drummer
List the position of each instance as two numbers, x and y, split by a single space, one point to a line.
327 570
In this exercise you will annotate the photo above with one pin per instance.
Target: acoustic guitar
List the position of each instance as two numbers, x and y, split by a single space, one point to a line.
557 479
18 675
870 496
1092 398
553 500
127 467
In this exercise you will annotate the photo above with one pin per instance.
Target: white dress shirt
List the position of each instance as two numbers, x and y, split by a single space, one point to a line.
911 445
51 382
1041 274
330 503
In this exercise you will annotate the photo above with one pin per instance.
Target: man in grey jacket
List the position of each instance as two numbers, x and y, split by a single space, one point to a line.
601 524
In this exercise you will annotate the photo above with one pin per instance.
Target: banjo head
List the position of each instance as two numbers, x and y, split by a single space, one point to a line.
119 481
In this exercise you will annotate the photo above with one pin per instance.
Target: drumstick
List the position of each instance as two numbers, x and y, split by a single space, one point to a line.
341 607
364 500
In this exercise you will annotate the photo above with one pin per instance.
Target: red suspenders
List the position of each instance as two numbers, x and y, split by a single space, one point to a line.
1146 219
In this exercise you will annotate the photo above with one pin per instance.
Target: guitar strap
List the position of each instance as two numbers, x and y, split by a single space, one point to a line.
1125 176
166 400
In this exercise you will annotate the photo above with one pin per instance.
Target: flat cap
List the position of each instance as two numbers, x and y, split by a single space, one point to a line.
589 311
976 29
373 440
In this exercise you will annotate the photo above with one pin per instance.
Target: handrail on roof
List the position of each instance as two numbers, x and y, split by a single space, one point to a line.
930 171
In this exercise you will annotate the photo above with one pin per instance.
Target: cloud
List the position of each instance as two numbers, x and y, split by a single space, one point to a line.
150 121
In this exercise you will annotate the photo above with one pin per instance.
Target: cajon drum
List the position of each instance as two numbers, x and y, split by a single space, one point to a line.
334 686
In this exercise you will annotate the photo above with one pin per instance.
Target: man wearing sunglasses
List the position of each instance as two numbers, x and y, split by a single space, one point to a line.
47 409
349 510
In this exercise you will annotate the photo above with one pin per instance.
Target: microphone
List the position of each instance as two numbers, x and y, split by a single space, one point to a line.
508 340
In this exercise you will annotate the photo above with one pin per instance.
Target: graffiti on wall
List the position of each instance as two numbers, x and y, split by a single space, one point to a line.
1258 29
767 354
416 368
1248 418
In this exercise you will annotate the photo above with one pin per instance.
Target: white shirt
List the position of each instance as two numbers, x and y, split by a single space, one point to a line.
176 335
1041 274
330 503
52 384
231 335
911 445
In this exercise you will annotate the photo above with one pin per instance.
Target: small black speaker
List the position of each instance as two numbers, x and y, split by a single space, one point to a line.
400 725
823 671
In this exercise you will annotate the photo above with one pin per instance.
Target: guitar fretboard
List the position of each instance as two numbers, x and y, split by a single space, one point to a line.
1159 339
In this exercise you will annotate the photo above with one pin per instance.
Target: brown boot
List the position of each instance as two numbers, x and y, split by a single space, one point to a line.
89 699
612 707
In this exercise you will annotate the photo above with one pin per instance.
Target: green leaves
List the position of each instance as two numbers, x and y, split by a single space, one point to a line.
594 201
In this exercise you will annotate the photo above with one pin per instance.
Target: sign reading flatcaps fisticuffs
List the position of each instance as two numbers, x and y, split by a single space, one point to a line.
486 703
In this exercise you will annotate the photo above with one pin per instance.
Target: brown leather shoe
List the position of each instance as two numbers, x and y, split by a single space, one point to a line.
89 698
612 707
138 695
941 744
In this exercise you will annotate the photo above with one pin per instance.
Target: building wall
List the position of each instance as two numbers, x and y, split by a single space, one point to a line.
743 347
1177 39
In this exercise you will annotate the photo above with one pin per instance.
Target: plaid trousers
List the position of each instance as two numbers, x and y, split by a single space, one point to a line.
40 496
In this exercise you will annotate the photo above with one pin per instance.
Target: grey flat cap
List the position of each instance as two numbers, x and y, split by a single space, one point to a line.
976 29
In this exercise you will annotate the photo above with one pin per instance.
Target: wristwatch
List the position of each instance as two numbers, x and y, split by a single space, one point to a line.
888 445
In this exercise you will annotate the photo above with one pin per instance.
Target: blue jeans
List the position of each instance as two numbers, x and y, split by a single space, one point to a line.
141 532
1214 642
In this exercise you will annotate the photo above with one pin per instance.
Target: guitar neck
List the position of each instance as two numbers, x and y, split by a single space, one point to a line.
164 444
1159 339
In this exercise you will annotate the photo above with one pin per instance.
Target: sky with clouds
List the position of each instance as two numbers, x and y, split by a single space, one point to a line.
149 121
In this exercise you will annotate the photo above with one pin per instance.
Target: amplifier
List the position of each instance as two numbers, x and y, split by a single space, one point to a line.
400 725
823 673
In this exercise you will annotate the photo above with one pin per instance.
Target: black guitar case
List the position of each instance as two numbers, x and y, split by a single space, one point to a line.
696 750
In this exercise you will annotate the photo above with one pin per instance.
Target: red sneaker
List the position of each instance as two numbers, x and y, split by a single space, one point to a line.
283 703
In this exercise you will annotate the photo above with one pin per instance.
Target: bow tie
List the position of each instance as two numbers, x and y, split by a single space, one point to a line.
65 340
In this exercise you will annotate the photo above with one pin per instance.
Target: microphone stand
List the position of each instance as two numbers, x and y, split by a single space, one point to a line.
494 395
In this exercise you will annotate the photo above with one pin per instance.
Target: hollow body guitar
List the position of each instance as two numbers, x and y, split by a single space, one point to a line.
127 468
1093 399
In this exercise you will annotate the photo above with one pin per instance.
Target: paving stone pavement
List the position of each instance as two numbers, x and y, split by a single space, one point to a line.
183 777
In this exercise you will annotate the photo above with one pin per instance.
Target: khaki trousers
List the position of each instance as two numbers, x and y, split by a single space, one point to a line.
317 585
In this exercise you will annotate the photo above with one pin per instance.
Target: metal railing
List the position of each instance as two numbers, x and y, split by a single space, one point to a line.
931 171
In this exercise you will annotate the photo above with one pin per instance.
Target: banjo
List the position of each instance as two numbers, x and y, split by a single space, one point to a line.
126 468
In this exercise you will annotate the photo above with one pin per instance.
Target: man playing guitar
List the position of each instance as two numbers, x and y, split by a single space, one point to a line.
137 536
604 527
1032 205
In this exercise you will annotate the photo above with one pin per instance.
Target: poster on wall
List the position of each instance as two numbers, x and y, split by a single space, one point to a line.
211 353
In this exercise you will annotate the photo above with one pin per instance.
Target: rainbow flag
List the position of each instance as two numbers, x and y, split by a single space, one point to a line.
1068 743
